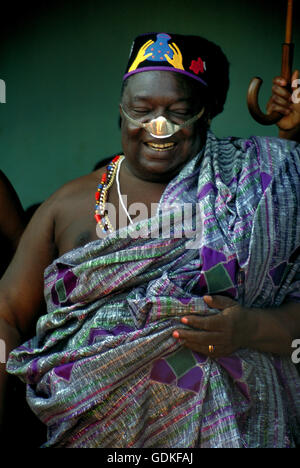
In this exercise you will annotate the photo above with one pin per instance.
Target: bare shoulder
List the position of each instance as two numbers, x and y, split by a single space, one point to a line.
84 183
69 192
75 186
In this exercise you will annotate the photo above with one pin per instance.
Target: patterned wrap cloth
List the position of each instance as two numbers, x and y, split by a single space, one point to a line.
104 370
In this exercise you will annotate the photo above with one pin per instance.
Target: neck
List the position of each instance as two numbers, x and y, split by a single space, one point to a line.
147 179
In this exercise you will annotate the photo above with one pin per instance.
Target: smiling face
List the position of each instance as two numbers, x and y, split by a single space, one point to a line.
146 96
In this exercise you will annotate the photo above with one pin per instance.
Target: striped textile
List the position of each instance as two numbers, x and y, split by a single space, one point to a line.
103 369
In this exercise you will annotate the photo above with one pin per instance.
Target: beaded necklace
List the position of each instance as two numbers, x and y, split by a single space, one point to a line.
106 182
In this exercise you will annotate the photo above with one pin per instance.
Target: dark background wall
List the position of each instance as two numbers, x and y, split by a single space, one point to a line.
63 63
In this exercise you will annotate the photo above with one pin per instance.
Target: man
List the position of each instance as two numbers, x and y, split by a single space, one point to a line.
181 340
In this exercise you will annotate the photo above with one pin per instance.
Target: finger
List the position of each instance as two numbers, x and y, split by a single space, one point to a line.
279 80
280 92
219 302
148 55
281 100
147 44
168 58
281 109
211 323
213 353
210 345
278 105
178 51
202 338
174 48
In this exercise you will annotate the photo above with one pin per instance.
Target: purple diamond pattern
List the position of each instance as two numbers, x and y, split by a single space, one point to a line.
64 371
115 331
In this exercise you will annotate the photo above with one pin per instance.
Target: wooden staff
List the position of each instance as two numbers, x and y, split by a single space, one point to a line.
286 70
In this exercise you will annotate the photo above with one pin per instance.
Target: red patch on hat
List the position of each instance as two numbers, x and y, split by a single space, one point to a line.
197 66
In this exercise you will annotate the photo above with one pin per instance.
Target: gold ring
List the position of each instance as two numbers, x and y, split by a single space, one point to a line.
211 348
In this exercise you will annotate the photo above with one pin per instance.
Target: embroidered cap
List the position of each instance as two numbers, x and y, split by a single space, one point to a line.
192 56
189 55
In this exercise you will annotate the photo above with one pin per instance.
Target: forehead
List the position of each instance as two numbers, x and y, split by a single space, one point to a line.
164 84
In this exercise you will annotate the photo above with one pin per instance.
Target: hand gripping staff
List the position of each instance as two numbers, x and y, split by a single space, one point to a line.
286 70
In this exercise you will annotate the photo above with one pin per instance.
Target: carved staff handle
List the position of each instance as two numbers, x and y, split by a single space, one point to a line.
286 70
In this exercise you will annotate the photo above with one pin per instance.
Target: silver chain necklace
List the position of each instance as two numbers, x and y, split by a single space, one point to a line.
119 191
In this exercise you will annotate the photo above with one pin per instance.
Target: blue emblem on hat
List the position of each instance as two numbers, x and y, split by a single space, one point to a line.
160 48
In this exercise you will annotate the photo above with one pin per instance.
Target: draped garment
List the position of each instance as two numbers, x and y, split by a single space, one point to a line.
104 370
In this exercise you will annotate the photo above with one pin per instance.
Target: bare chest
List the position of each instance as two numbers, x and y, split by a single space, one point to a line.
76 226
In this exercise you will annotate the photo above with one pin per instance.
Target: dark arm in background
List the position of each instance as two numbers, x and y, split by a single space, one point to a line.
12 222
287 103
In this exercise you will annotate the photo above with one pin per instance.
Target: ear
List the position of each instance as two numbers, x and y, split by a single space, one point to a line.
120 116
207 116
205 119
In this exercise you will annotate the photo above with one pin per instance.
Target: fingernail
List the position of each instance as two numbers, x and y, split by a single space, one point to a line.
184 320
207 297
176 334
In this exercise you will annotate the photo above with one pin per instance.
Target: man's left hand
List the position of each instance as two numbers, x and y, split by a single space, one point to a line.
216 335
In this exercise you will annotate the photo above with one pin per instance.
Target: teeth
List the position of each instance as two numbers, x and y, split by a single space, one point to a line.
161 147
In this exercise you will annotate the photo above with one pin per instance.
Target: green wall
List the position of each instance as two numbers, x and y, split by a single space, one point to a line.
63 63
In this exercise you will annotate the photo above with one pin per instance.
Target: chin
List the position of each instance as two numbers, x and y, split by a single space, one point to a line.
160 170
